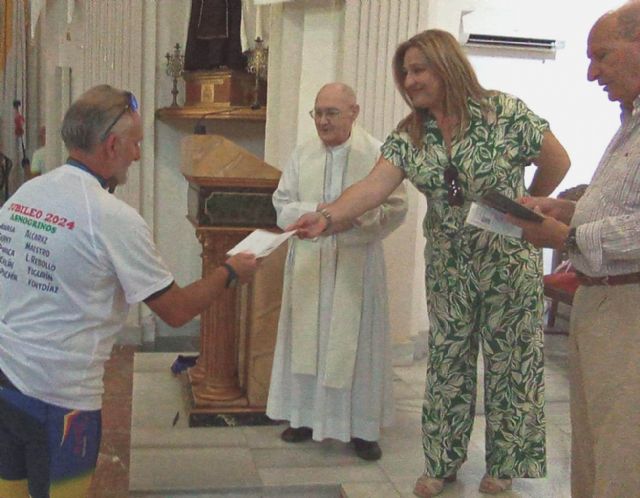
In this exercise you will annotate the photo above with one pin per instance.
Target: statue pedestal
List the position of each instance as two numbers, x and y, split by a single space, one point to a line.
221 89
230 196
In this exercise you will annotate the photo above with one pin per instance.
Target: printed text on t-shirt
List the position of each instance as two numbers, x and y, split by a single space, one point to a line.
37 214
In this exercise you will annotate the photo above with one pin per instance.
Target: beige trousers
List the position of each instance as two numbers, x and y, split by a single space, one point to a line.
604 360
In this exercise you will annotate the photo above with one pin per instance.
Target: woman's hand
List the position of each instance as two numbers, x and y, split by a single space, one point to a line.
309 226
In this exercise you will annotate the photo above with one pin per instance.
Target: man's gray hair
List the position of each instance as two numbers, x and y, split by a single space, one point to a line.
90 115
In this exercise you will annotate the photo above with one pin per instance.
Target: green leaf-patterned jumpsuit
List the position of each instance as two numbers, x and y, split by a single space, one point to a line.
483 290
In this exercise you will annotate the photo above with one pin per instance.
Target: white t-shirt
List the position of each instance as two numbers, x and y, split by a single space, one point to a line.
72 259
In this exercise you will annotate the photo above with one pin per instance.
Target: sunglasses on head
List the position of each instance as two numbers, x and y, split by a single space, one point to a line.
132 105
455 197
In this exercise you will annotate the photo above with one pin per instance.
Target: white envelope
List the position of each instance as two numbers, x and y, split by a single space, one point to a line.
260 242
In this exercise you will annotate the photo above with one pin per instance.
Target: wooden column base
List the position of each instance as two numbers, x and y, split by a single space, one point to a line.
207 394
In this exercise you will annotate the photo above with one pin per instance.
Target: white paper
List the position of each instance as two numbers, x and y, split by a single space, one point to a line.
260 242
491 219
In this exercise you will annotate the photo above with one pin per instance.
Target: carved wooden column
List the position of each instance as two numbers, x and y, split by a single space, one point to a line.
229 197
215 377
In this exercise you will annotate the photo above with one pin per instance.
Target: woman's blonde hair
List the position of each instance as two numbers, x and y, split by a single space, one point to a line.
447 60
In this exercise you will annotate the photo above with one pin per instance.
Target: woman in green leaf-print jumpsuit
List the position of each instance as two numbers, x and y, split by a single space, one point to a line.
483 290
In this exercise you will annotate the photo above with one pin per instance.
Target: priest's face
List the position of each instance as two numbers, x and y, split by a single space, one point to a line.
334 113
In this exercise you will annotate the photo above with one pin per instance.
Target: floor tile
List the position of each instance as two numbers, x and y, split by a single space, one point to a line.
265 436
369 490
195 469
309 454
291 476
188 437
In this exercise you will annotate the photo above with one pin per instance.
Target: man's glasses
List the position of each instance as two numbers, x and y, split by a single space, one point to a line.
330 114
454 192
132 105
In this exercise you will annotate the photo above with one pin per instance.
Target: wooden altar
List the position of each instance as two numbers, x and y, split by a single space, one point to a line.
230 196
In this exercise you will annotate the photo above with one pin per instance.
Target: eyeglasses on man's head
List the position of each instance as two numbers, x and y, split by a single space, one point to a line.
132 106
455 196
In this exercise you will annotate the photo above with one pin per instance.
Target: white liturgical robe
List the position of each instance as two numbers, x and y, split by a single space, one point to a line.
342 388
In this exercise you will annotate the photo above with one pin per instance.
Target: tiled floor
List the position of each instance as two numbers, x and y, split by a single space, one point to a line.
173 461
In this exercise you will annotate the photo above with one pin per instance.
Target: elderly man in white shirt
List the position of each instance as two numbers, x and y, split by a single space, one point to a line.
602 235
331 374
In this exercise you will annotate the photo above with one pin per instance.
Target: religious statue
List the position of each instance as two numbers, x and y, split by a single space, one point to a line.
213 38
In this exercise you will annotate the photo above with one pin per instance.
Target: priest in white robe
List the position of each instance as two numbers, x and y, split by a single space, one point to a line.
331 374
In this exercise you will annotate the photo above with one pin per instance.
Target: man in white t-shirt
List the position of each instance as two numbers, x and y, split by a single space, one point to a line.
73 258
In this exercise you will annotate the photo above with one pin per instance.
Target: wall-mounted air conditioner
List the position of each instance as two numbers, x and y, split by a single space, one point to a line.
506 32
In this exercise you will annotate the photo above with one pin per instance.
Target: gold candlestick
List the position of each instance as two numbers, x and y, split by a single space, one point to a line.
257 64
175 68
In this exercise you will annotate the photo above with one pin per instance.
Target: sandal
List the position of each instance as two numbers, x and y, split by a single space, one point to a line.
427 487
493 486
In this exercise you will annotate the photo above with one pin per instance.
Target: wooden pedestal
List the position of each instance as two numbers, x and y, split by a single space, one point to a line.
237 334
229 197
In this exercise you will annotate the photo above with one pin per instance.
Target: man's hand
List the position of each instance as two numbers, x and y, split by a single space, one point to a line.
560 209
245 265
309 226
548 233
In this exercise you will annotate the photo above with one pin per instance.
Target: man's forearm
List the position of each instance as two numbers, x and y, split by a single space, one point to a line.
179 305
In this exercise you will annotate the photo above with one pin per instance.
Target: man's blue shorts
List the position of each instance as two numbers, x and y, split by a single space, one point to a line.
46 451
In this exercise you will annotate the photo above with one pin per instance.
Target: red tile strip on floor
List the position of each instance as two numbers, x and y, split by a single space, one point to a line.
111 479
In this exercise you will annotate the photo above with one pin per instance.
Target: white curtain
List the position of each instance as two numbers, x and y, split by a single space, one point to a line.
113 54
369 46
102 42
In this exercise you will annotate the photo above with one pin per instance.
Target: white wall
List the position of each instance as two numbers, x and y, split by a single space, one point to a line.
578 110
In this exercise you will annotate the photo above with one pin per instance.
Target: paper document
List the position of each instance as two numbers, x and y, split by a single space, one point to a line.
260 242
487 218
